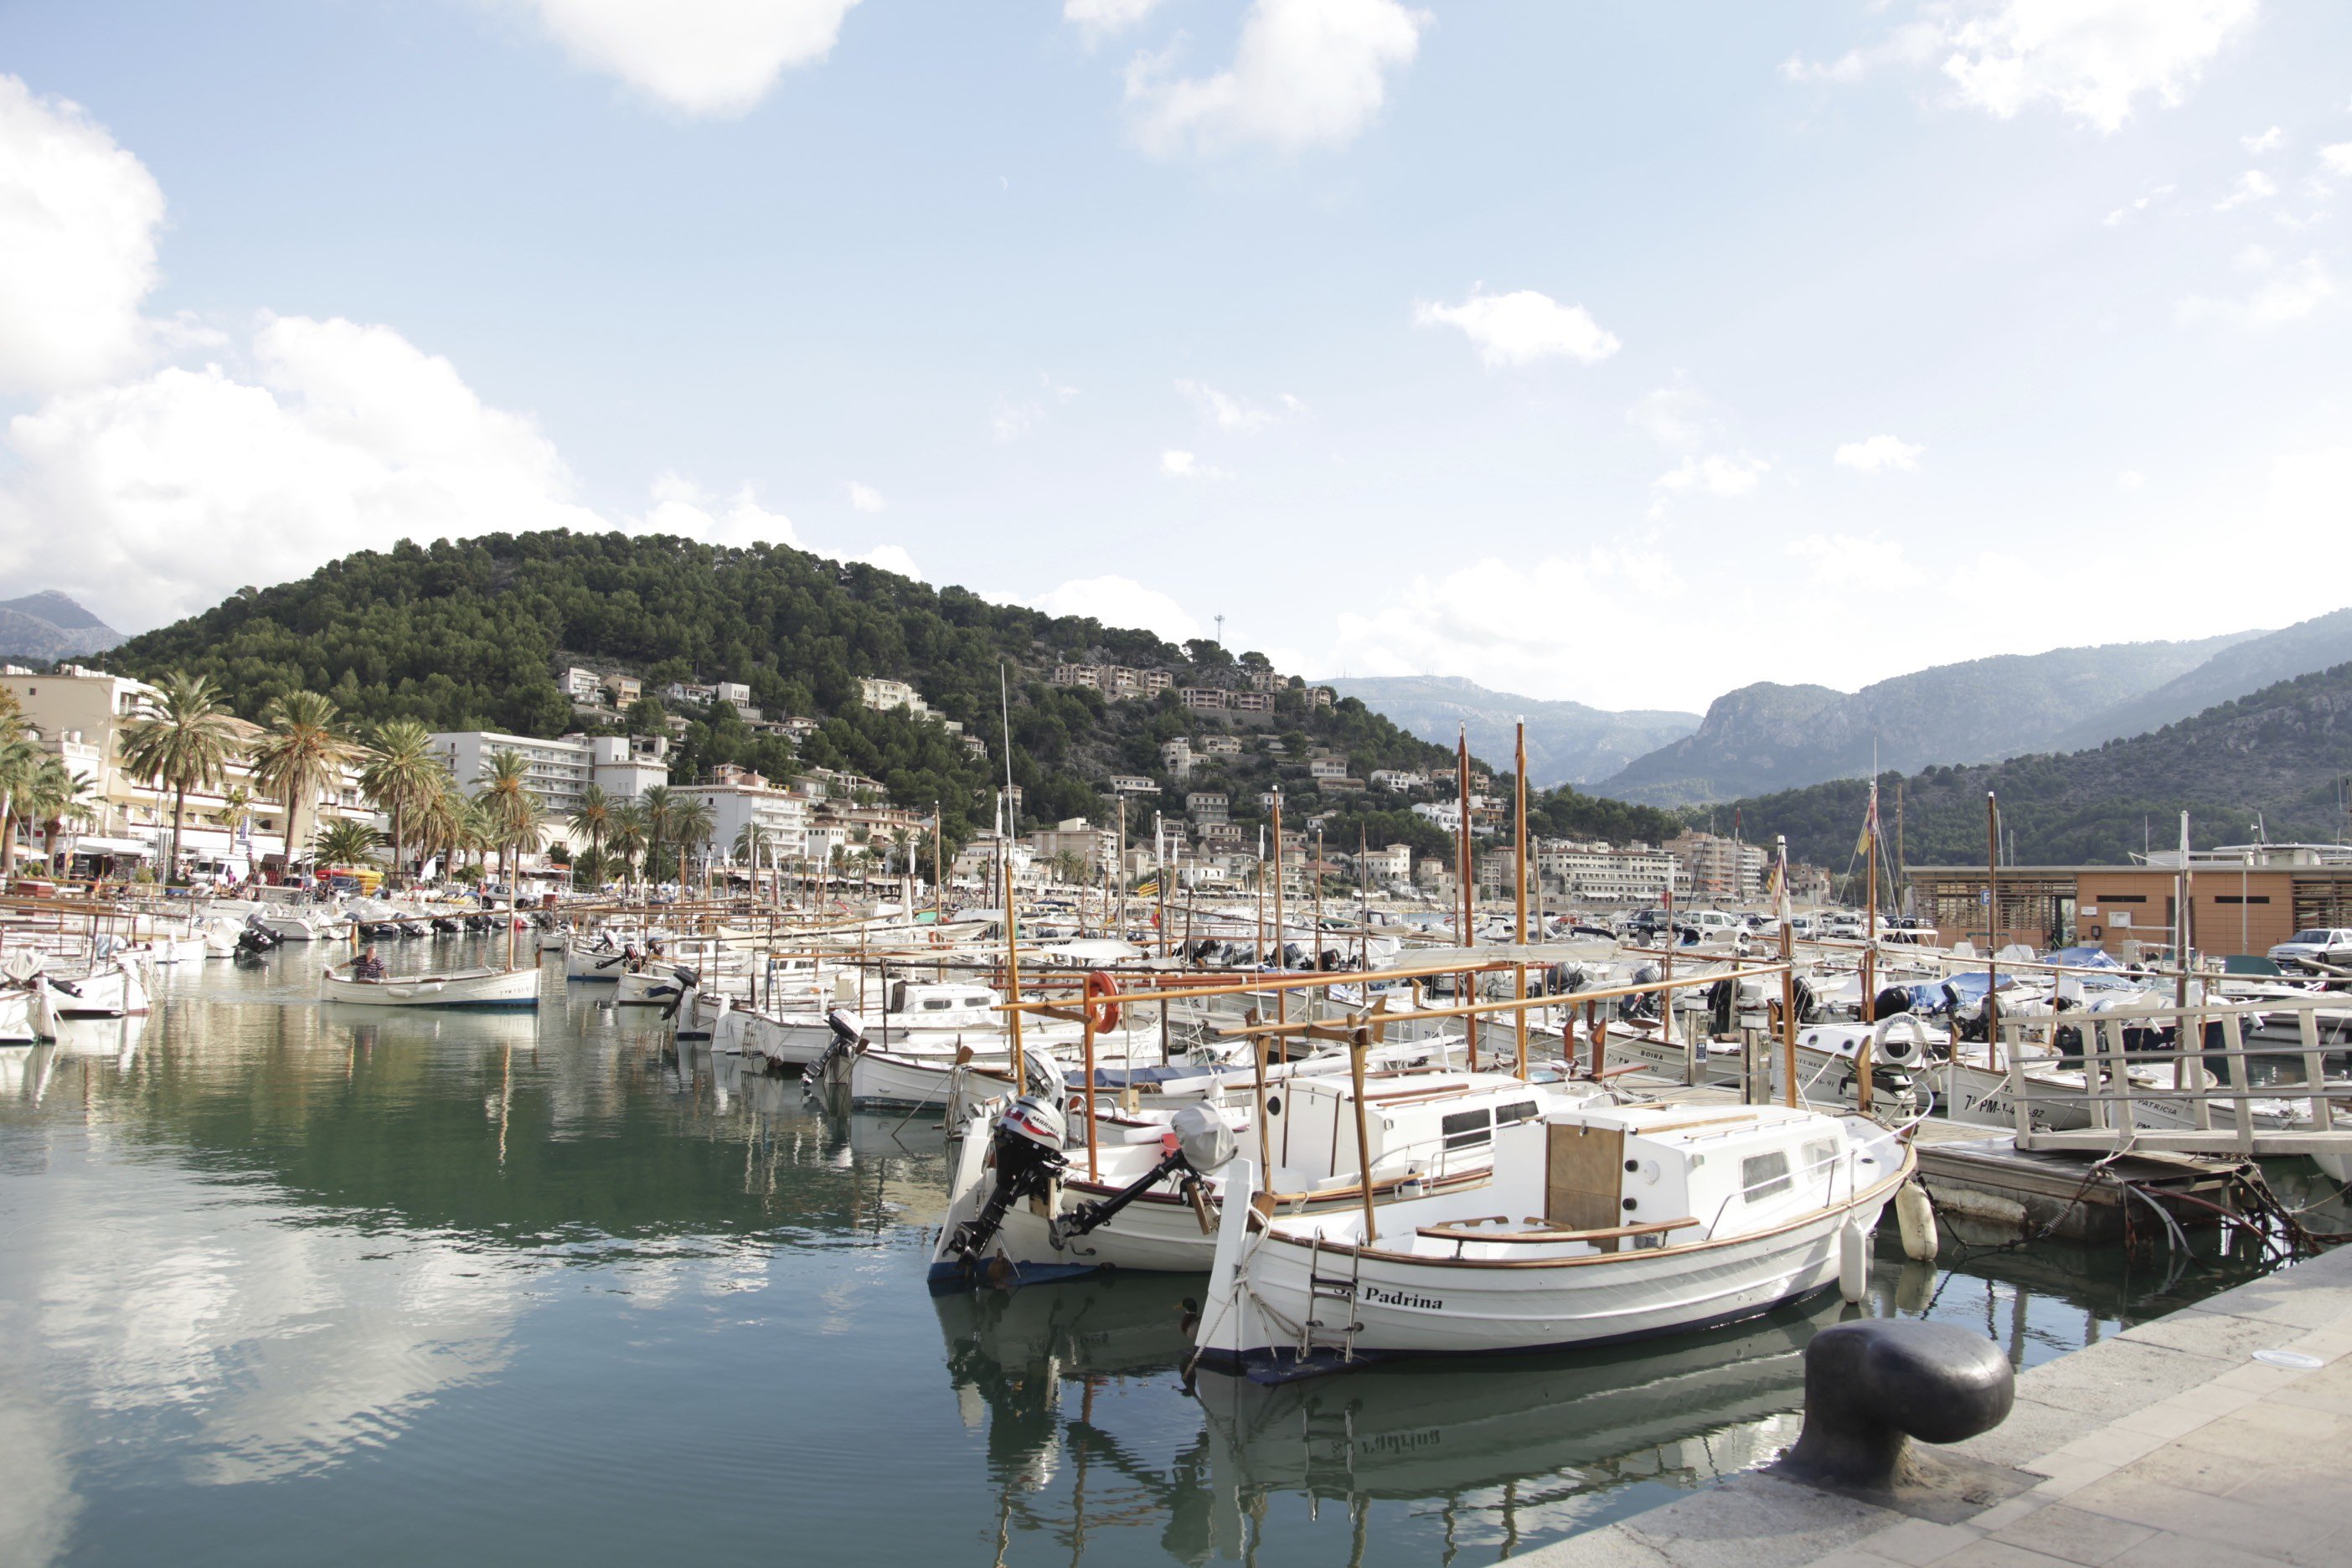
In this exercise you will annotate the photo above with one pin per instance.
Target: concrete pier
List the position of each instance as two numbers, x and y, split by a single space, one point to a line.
2171 1446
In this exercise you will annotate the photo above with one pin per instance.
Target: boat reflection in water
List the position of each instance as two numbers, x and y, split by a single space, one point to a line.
1502 1451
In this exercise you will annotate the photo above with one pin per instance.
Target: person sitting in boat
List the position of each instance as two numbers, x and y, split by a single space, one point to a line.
367 966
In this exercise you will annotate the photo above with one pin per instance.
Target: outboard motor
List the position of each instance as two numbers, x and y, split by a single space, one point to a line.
1891 1000
848 1037
1026 1151
1199 1142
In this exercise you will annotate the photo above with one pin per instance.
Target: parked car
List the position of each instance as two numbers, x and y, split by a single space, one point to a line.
2321 944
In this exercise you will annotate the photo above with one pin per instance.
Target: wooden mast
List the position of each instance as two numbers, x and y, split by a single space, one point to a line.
1281 952
1519 879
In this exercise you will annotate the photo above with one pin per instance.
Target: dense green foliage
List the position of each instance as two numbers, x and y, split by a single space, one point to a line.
469 634
2282 753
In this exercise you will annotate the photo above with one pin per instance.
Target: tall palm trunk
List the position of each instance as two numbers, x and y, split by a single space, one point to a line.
179 812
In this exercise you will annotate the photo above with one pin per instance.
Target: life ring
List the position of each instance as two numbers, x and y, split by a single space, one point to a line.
1099 1009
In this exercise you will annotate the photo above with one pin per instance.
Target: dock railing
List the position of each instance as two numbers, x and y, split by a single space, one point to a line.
2201 1112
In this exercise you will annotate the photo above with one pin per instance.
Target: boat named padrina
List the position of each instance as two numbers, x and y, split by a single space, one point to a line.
1600 1223
449 988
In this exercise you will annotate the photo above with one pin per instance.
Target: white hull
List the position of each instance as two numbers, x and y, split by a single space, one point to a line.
458 988
116 991
17 1018
1411 1305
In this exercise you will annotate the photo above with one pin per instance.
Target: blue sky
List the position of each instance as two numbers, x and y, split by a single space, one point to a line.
1624 353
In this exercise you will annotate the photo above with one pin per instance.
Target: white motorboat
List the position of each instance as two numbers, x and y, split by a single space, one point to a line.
289 923
449 988
657 985
1600 1223
1147 1206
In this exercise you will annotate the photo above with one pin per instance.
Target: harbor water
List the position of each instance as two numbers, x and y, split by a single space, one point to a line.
282 1283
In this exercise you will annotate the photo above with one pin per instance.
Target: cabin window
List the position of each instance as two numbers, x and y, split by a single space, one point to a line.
1761 1175
1468 1128
2234 899
2123 897
1506 1114
936 1004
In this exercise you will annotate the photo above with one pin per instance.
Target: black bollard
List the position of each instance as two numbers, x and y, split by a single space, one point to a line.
1872 1386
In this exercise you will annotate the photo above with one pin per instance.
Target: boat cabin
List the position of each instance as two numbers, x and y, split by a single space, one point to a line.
1426 1123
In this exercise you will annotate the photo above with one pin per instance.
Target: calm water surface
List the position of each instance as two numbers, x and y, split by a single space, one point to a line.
281 1284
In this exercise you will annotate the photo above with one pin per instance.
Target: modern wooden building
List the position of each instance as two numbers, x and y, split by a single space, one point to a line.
2242 899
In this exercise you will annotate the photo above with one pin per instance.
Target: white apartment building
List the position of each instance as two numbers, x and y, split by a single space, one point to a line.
878 694
1327 767
1133 784
1722 868
1393 863
1603 873
1399 779
623 766
750 801
1176 756
81 715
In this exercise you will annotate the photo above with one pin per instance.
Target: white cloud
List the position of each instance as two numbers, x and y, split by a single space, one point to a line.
1499 622
2280 293
1120 602
888 557
1181 465
683 508
1306 73
1100 18
77 221
1676 416
1521 328
1230 412
863 498
2253 185
183 486
2155 194
1879 455
2131 479
2092 59
1724 476
703 56
1843 561
2270 140
2336 159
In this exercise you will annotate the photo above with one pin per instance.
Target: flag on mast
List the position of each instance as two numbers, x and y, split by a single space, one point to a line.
1869 822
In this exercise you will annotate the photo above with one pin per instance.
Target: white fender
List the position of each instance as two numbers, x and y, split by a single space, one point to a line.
1853 1262
1915 1216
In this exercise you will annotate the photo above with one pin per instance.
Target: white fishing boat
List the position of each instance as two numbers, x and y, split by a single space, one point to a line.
448 988
656 985
110 987
1147 1205
1599 1224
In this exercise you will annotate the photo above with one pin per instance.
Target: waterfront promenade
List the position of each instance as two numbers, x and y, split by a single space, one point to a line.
2169 1445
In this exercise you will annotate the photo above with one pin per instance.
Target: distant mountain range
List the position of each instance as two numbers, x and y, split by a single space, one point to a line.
1766 737
46 626
2282 752
1568 742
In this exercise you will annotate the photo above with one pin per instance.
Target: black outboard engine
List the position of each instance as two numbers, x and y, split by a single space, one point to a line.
848 1035
1026 1151
1894 999
1199 1142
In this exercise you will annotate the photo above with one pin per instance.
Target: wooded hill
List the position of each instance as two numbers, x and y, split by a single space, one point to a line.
469 633
2283 752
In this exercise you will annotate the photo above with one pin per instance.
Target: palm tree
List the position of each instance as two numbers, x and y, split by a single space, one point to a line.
348 843
186 744
593 820
511 814
20 763
691 828
660 808
301 756
628 836
53 798
441 822
400 776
